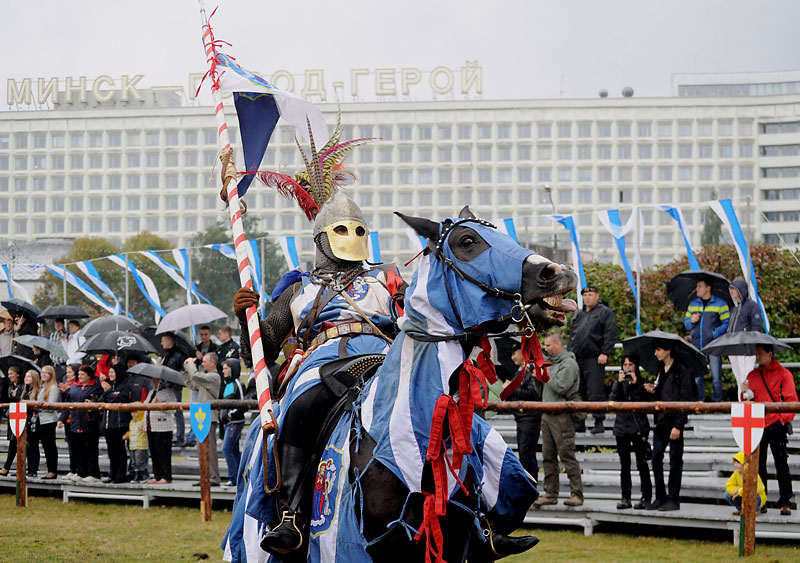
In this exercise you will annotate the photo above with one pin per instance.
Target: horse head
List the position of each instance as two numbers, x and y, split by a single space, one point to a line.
474 275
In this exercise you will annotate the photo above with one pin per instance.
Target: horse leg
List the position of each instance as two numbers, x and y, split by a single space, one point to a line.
384 496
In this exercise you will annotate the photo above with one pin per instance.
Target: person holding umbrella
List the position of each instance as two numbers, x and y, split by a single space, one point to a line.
770 382
745 317
674 382
707 317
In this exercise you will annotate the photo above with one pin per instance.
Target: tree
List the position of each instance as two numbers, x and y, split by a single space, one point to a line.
216 275
712 228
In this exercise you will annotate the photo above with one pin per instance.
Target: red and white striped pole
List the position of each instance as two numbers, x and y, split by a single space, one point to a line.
268 421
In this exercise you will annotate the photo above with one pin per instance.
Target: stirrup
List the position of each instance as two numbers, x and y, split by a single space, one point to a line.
288 522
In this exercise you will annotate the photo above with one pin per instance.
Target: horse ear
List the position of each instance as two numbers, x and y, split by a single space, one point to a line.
466 213
424 227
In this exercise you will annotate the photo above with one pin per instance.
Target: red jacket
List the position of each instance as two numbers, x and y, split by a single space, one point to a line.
780 382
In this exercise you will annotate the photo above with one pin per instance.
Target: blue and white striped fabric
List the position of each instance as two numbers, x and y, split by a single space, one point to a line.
12 285
374 248
289 249
568 222
81 286
172 271
724 210
145 283
611 221
507 227
677 215
91 272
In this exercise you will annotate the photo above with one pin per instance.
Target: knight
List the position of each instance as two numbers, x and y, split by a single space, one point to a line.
341 309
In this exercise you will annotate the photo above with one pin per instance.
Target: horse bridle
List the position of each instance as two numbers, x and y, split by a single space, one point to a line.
495 291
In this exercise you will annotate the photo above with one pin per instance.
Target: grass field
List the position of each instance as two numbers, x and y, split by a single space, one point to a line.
85 531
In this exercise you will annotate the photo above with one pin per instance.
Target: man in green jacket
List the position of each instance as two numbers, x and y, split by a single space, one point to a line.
206 382
558 430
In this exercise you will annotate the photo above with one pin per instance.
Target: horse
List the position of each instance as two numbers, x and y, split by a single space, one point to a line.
408 473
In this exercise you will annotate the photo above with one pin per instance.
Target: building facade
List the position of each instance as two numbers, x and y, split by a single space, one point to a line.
114 169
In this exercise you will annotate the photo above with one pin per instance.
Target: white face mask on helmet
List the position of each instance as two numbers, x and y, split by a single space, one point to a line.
342 220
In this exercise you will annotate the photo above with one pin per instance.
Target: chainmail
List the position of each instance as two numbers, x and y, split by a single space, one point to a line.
279 323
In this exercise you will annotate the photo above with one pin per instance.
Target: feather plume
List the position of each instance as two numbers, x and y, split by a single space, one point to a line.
287 187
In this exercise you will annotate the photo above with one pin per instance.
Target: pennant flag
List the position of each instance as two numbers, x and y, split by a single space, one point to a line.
91 272
613 224
259 104
724 210
677 214
254 260
173 272
225 249
145 283
374 248
83 287
568 222
289 250
507 226
21 291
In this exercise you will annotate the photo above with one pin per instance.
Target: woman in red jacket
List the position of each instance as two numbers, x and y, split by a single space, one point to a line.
770 382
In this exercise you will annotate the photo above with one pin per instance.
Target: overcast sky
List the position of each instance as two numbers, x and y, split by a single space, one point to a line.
527 49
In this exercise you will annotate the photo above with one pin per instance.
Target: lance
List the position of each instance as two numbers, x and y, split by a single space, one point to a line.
269 423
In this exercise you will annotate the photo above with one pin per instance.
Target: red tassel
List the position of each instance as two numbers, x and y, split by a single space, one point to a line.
287 187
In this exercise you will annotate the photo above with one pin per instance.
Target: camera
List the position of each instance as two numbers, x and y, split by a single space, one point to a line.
628 374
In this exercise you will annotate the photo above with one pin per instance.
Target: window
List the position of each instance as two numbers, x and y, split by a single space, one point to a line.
745 150
171 137
445 198
704 128
726 150
152 138
115 161
484 131
95 204
544 153
545 174
585 196
132 224
287 156
485 154
664 151
503 131
645 151
604 129
625 173
485 175
604 173
626 196
21 141
152 181
445 176
565 196
705 173
745 172
565 174
171 223
523 153
584 152
39 205
645 173
465 154
95 139
38 183
645 128
544 130
404 177
152 159
4 141
133 203
171 159
504 153
705 194
623 129
665 173
584 174
465 131
665 129
684 151
665 196
114 182
646 196
95 182
134 160
59 140
684 173
604 152
20 162
604 196
726 172
524 174
684 129
523 130
584 130
565 153
405 154
445 154
725 128
564 130
624 152
425 132
503 175
465 176
424 154
385 177
385 132
210 137
686 195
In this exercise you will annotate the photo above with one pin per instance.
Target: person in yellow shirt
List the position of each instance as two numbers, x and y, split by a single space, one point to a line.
734 486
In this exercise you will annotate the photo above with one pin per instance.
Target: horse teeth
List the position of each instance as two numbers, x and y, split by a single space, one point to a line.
553 300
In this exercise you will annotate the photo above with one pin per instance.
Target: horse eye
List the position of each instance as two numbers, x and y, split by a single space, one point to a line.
467 241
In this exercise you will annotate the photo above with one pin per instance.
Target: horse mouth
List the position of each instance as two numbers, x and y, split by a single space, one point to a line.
557 307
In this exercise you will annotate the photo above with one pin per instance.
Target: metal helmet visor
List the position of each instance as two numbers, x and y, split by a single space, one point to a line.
348 240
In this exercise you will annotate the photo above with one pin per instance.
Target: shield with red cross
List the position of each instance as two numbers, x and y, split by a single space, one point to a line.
747 423
17 414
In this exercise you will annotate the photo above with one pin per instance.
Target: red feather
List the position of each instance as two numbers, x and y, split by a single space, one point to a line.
287 187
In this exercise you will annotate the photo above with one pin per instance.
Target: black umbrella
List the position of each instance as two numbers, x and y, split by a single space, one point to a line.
181 341
109 323
157 371
117 342
63 312
16 305
24 364
686 354
683 288
743 344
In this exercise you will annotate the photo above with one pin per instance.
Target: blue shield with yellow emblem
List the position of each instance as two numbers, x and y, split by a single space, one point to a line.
200 415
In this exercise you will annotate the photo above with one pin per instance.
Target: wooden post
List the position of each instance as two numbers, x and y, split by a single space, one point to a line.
205 484
22 485
747 541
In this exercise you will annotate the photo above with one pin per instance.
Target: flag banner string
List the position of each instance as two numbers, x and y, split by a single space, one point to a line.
83 287
568 222
144 282
677 214
12 285
91 272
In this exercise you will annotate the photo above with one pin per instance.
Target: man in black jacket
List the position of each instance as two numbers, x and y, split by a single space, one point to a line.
592 336
529 424
228 348
673 383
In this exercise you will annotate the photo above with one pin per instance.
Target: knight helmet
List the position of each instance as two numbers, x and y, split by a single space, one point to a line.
344 224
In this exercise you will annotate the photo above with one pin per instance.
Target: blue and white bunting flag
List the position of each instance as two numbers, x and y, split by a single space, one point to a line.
677 214
145 283
568 222
61 273
91 272
724 210
259 104
507 227
254 261
374 242
289 249
14 286
611 221
224 249
172 271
